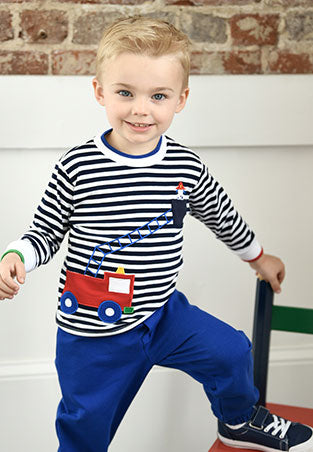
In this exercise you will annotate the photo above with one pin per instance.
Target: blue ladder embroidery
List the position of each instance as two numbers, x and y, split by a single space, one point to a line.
116 245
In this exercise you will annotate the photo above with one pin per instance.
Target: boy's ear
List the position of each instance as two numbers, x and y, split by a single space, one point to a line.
182 100
98 91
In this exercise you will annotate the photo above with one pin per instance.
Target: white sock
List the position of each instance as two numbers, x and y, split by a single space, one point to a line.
235 427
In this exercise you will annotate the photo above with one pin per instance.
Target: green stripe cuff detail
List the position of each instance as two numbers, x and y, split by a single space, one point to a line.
16 252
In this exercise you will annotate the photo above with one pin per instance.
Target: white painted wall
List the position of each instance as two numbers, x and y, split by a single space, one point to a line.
256 137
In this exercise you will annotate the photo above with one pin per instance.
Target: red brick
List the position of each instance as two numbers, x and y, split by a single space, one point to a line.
202 27
6 29
18 62
288 3
181 2
89 27
300 26
242 62
250 29
47 27
286 62
195 62
106 2
233 62
74 62
210 2
207 63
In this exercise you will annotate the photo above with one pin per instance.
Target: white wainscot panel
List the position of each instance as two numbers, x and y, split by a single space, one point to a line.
239 110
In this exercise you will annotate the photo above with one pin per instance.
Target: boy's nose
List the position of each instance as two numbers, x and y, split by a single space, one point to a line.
140 107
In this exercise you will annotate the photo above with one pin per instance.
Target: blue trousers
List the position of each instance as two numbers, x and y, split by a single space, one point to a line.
99 377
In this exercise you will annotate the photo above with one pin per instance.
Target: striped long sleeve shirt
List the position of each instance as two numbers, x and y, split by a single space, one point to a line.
124 219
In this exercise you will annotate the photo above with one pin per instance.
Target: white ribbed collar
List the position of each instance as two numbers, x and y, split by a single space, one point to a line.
122 159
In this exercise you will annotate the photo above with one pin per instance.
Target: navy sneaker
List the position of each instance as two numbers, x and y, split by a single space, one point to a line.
268 432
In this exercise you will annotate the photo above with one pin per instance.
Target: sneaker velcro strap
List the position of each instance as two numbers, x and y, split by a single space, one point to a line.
259 418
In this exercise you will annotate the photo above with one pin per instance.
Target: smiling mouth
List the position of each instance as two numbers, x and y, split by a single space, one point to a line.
139 124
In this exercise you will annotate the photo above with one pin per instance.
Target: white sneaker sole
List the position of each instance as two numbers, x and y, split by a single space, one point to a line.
304 447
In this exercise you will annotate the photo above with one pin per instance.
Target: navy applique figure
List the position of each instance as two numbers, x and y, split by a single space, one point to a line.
179 206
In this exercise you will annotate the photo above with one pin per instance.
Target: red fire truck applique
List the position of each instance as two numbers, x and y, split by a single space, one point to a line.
112 294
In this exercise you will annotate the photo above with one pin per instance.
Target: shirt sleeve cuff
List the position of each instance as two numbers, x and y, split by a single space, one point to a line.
27 249
251 253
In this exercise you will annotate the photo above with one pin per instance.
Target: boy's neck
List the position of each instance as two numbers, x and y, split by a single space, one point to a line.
131 148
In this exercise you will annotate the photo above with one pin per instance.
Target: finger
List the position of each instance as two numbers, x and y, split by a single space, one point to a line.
275 285
6 298
20 272
4 294
281 275
5 289
8 281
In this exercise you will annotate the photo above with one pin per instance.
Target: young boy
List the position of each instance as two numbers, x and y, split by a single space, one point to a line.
122 197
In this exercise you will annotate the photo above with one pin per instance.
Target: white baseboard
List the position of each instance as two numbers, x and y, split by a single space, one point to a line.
26 369
279 356
291 355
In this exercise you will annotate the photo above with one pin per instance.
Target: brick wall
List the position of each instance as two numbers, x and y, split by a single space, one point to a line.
228 36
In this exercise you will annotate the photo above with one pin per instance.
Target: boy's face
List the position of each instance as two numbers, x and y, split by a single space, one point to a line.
141 94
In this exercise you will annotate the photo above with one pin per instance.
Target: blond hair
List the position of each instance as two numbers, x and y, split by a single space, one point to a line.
144 36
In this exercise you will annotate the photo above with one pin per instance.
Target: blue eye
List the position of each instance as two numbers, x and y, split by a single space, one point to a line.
124 93
159 96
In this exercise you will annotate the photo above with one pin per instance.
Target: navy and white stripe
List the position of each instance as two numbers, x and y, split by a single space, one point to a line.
98 195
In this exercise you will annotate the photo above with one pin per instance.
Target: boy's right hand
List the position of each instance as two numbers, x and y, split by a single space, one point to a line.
11 267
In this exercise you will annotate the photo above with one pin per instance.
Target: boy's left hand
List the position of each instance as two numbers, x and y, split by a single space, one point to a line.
270 268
